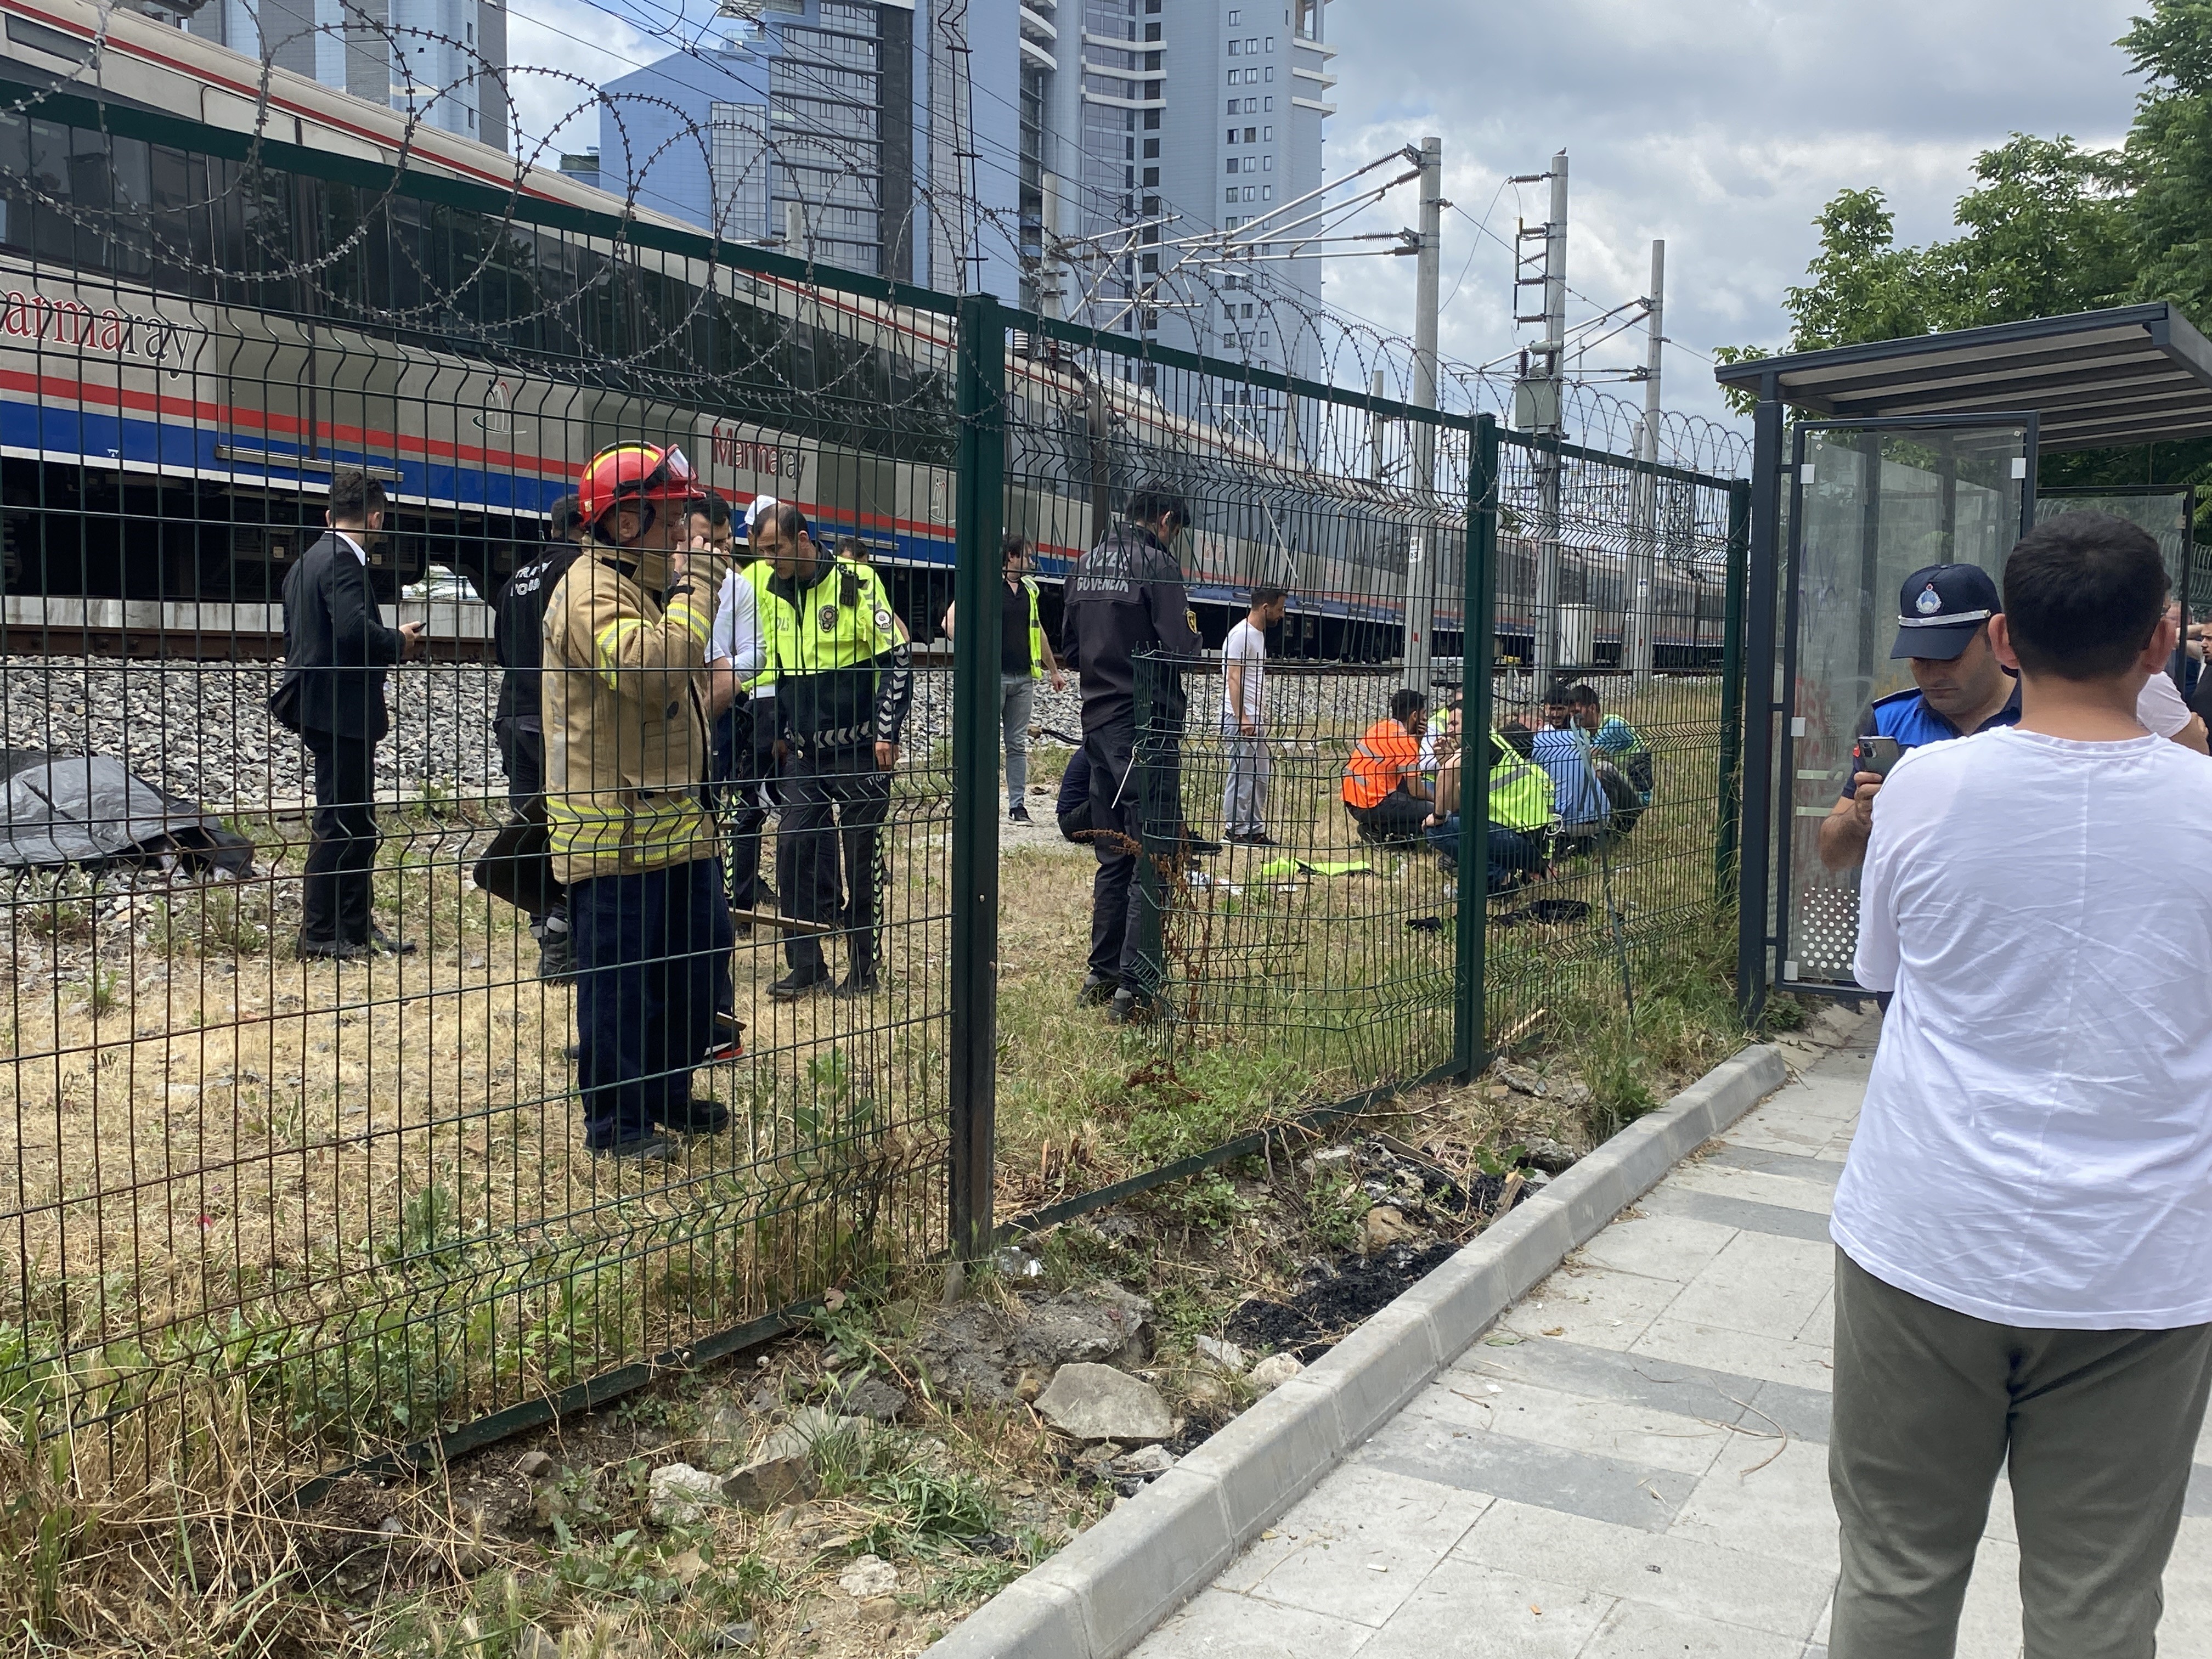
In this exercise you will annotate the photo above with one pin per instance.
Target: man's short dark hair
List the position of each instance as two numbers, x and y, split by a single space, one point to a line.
851 547
1151 506
1560 695
712 507
1581 694
1404 703
565 515
1012 545
1265 596
790 523
2082 592
355 496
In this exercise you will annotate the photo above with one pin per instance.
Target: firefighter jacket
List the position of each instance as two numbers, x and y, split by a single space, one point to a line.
842 666
626 737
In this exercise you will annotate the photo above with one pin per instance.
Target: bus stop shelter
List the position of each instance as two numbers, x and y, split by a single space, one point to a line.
1868 462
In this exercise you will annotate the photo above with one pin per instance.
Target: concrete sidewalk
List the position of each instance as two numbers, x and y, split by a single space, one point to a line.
1633 1461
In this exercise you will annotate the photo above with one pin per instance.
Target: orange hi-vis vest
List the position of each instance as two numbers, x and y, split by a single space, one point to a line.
1385 753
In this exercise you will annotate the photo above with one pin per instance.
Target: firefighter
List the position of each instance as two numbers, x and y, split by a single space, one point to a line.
627 748
842 685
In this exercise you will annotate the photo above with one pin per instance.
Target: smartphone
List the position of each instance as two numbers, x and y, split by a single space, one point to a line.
1875 754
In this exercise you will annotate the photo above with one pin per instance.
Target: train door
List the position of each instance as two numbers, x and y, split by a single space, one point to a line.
1870 501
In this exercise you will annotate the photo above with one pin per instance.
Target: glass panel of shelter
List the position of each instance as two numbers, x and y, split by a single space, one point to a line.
1869 503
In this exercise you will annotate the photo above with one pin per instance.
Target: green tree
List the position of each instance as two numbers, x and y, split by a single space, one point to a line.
2170 147
1861 285
2047 232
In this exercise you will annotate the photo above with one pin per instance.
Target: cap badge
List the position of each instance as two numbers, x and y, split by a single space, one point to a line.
1929 601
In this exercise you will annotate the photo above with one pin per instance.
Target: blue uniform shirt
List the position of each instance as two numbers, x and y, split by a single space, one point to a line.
1577 795
1906 716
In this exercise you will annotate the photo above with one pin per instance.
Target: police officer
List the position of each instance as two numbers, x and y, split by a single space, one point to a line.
1959 687
1123 601
519 642
842 685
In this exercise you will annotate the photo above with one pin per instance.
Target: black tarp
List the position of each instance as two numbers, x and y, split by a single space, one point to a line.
59 810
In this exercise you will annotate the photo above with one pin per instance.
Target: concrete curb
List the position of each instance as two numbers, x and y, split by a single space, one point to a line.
1106 1591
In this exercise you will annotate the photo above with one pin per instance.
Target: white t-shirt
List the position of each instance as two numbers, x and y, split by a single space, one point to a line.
1247 645
2160 707
736 637
2036 1144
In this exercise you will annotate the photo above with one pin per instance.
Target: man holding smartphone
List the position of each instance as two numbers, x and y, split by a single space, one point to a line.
1959 687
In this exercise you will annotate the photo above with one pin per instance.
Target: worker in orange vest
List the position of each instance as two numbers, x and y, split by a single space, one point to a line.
1384 788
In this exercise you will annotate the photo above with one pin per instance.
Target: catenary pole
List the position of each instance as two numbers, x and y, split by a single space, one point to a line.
1550 412
1642 624
1420 575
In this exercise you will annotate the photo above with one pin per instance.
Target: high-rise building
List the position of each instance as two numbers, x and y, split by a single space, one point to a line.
443 60
1169 118
801 123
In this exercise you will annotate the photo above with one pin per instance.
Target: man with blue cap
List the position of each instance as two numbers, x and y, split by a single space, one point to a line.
1959 688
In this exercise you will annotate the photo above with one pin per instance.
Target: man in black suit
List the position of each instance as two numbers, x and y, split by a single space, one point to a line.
336 649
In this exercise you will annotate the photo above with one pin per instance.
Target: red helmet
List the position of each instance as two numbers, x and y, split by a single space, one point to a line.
633 472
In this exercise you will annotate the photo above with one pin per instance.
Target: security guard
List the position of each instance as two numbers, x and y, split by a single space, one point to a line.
842 685
1944 615
626 757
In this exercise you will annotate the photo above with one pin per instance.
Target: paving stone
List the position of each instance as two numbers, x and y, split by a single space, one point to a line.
1464 1610
1611 1489
1797 1167
1806 1364
1768 1497
1760 1283
1672 1247
1725 1183
1216 1625
1360 1543
1636 1630
1600 1428
1599 1307
1748 1215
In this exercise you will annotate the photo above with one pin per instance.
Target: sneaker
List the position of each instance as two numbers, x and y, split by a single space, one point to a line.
328 950
1018 814
698 1117
860 982
1130 1009
728 1041
1097 989
384 944
649 1148
798 982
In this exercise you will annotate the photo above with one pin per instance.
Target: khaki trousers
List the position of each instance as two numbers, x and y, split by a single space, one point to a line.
2096 1429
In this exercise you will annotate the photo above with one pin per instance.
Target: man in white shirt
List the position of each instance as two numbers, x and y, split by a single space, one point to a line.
2024 1228
2160 708
1244 719
741 702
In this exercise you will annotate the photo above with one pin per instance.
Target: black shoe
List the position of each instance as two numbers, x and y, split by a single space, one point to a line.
1018 814
1130 1009
1202 849
1260 838
650 1148
556 958
729 1039
1097 989
860 982
798 982
698 1117
328 950
385 945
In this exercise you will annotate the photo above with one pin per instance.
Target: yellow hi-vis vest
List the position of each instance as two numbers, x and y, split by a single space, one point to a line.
824 631
1519 792
760 574
1036 631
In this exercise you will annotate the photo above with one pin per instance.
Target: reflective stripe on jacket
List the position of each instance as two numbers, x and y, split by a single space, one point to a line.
1385 754
1036 630
1520 792
626 741
840 658
766 607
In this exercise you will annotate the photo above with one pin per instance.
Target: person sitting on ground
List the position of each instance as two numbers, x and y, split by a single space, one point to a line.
1618 744
1563 749
2026 1213
1520 816
1384 789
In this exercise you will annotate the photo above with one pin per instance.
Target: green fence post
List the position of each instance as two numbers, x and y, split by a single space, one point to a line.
1731 780
979 514
1478 652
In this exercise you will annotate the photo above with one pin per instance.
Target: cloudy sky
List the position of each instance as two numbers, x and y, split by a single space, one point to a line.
1720 125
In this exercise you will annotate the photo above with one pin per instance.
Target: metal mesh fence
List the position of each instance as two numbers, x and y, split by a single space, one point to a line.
319 1092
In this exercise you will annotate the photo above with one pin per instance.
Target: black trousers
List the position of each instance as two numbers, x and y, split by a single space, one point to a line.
1126 802
829 797
1394 821
522 757
341 855
744 760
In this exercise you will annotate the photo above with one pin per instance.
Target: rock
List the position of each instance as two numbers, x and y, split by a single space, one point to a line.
880 1610
1145 1462
678 1494
724 1438
1571 1093
532 1642
550 1504
1017 1264
871 1398
768 1481
868 1576
392 1526
1382 1226
1552 1157
534 1465
1519 1079
742 1635
1227 1355
808 1424
1096 1402
1275 1370
964 1350
1101 1325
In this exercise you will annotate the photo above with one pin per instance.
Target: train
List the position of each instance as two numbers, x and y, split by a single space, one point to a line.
220 283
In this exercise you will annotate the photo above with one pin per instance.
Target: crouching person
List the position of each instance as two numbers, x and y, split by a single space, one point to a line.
626 749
